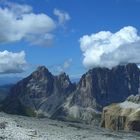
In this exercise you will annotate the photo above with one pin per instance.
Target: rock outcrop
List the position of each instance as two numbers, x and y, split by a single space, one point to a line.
123 116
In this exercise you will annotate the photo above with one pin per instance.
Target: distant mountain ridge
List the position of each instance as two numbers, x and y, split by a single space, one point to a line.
43 94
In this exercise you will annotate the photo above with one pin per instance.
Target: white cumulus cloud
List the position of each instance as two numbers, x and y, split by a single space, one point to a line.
62 16
12 62
19 22
107 49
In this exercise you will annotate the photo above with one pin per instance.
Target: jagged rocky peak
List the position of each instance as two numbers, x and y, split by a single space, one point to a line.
42 68
40 72
93 77
39 92
64 82
105 86
63 76
130 69
91 88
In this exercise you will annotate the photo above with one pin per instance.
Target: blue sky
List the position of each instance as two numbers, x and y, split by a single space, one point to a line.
86 17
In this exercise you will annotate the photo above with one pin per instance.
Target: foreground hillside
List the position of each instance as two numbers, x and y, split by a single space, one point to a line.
14 127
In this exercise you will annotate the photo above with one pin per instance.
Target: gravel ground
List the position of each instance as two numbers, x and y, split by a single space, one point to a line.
13 127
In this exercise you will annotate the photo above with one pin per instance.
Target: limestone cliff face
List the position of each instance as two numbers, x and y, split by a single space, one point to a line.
123 116
41 93
103 86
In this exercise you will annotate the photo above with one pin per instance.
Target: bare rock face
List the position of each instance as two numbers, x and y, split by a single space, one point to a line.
41 93
123 116
103 86
92 88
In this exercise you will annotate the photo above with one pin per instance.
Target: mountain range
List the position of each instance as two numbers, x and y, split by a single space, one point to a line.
43 94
